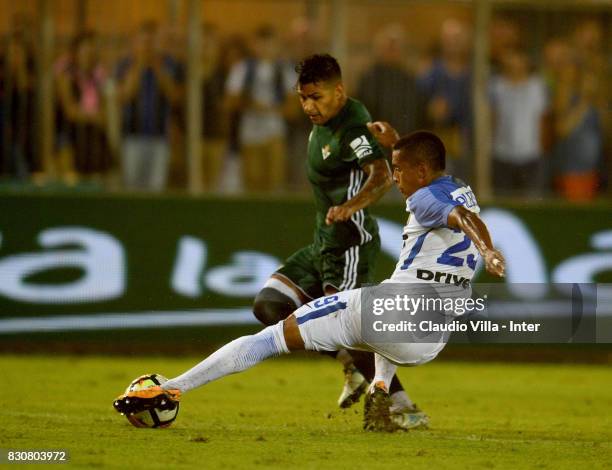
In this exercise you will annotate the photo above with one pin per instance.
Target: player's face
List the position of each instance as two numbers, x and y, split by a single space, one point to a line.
408 175
321 101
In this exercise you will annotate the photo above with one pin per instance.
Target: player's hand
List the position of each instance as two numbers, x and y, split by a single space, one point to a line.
338 214
384 133
495 263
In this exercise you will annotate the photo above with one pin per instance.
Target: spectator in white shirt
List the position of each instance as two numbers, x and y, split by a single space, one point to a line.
259 87
519 103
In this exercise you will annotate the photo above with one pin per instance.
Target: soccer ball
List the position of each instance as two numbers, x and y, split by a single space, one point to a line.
151 418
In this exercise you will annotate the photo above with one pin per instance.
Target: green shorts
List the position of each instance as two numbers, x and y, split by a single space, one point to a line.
313 268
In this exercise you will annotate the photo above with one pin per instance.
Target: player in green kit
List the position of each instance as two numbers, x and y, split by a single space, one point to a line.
348 172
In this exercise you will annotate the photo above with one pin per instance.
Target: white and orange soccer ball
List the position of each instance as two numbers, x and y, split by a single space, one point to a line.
151 418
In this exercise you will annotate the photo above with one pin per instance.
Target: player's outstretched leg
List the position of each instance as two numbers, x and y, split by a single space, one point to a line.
247 351
236 356
311 327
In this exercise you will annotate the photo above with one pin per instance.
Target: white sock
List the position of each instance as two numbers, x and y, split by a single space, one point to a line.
385 370
400 401
239 355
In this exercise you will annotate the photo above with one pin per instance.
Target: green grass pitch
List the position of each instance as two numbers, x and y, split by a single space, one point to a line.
282 413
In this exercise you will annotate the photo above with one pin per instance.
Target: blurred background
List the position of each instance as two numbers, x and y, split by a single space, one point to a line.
151 95
115 114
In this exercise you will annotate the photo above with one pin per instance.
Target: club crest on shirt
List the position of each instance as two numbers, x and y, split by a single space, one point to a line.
361 147
326 151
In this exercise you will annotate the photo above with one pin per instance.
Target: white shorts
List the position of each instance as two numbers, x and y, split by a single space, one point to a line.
334 322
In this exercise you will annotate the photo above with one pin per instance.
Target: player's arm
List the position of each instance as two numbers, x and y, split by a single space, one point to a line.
378 183
472 225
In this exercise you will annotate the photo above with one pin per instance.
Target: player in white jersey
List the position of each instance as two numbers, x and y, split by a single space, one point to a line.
442 238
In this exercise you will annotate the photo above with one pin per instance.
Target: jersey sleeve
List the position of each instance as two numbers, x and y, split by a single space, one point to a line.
431 207
359 145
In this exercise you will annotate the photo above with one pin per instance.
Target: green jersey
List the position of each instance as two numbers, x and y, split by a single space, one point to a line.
337 151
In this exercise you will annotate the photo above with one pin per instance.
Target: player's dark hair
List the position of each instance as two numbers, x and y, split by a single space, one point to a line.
318 68
425 146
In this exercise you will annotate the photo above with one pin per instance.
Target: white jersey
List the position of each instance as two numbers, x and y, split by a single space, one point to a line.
432 251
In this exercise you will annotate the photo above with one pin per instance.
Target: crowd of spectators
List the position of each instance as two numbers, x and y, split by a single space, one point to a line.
120 121
550 121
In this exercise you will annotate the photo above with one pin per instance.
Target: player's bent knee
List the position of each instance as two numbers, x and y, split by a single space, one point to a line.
272 306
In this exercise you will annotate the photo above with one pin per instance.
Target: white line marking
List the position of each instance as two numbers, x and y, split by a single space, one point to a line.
113 321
